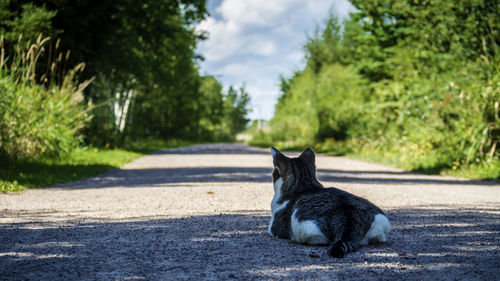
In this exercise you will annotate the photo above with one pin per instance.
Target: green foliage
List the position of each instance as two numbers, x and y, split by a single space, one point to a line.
143 62
320 106
221 115
37 120
147 81
415 82
21 24
146 95
235 109
325 48
149 145
297 120
210 108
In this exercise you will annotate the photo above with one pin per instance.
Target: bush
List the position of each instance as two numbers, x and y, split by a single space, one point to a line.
395 86
38 116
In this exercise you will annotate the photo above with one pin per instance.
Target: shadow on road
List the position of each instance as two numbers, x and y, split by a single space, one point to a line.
217 148
175 176
169 176
435 244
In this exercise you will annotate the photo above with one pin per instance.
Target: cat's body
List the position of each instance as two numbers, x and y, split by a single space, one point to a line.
305 212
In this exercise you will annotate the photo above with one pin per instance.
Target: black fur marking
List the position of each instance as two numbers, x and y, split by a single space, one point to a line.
337 250
276 175
281 224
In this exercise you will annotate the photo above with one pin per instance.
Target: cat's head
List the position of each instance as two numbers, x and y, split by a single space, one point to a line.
297 174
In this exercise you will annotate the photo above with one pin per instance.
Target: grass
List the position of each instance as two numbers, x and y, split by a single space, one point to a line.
84 162
487 170
81 163
146 146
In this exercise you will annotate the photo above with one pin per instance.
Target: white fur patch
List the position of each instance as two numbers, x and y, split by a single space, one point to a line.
275 206
277 195
307 232
378 230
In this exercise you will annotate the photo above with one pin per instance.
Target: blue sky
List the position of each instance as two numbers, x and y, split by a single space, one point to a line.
252 42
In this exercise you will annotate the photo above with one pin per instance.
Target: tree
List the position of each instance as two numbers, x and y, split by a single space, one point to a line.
415 80
141 54
235 111
22 23
210 108
142 58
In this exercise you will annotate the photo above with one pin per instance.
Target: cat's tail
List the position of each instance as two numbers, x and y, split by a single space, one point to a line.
340 248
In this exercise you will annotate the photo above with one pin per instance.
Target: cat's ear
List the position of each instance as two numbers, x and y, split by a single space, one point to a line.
308 155
280 161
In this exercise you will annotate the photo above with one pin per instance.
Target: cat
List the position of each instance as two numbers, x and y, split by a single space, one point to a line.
305 212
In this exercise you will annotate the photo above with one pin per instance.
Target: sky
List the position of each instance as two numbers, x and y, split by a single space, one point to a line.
252 42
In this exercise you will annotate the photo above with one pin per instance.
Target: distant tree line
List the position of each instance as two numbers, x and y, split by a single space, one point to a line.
418 81
141 59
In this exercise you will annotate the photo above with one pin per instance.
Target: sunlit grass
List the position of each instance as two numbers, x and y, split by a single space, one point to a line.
81 163
21 174
487 170
152 144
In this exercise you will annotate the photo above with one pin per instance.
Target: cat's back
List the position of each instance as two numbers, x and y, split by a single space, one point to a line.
333 200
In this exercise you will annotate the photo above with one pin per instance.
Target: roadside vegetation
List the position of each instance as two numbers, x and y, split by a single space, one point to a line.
17 175
81 94
412 84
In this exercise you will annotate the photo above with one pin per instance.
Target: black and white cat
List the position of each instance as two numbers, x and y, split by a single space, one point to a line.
304 211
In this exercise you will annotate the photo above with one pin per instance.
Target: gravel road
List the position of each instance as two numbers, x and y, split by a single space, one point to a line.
201 213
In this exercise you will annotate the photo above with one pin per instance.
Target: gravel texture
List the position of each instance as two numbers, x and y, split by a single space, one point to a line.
201 213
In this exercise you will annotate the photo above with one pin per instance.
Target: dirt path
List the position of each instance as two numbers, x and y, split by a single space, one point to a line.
201 213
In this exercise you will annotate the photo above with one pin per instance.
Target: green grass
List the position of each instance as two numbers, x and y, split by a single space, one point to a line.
145 146
84 162
487 170
81 163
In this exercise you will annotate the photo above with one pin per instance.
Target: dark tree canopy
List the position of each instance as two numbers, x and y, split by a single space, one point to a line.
141 55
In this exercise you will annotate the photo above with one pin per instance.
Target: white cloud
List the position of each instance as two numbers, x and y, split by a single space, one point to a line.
252 42
258 44
221 42
342 9
254 13
262 48
295 56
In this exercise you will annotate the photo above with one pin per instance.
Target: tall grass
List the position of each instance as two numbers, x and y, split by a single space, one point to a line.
40 114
